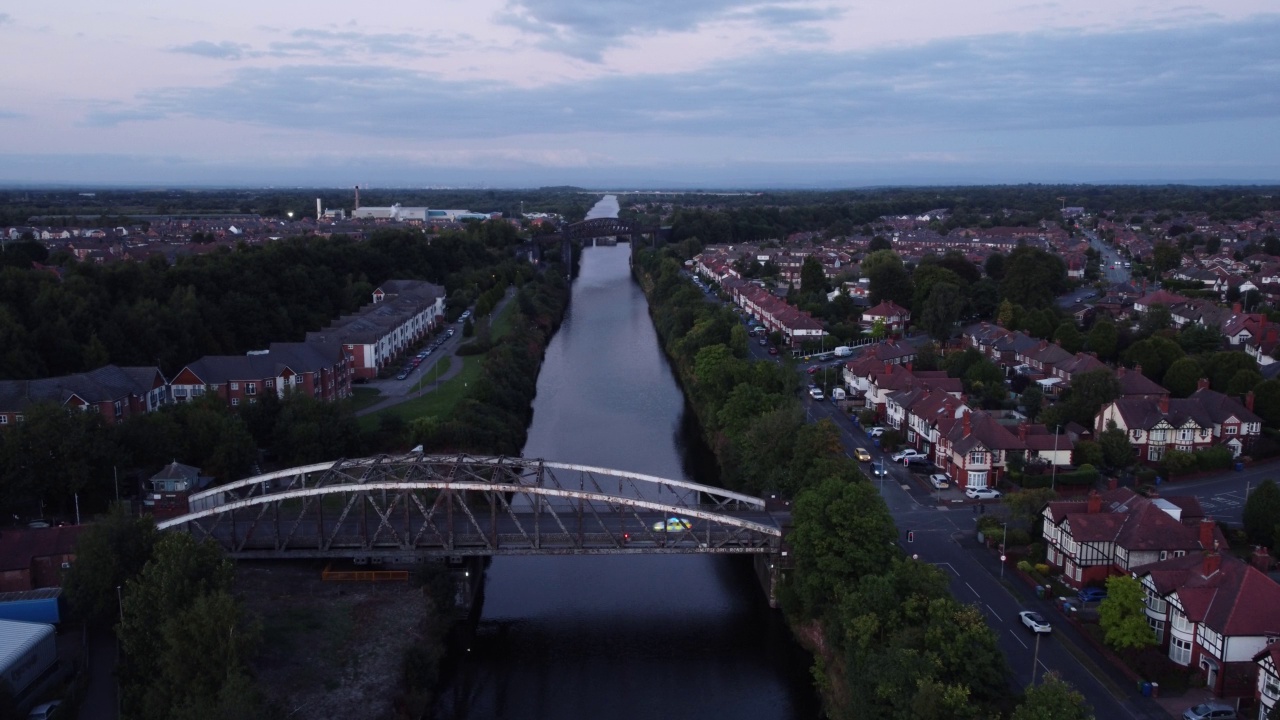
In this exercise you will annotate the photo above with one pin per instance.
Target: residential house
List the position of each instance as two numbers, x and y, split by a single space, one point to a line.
1267 690
894 317
1212 612
113 392
1206 419
403 312
1113 532
320 370
976 450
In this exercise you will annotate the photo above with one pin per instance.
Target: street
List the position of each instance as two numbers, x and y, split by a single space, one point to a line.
944 535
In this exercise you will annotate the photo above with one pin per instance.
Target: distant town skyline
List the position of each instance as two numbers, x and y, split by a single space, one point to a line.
625 94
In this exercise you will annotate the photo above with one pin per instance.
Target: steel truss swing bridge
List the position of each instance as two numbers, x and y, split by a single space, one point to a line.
406 508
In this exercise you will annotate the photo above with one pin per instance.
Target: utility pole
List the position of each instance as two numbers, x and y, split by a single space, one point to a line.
1035 660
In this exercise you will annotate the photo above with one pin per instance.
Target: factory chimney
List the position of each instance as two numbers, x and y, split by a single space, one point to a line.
357 197
319 210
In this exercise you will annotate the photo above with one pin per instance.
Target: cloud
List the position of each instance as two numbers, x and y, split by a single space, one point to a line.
586 30
5 18
989 84
225 50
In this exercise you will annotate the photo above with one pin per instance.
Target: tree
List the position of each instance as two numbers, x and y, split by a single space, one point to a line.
1155 354
1087 452
1068 336
812 277
879 242
1243 381
1182 377
942 310
1103 339
109 552
1196 339
843 532
1116 450
1156 318
1052 699
1033 277
994 266
1164 257
1220 367
888 278
1262 513
925 278
1122 615
1266 402
1006 315
1032 401
1089 392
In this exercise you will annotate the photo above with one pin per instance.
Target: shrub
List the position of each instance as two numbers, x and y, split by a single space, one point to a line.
890 440
1214 458
1146 475
1024 566
1036 551
1018 537
1042 568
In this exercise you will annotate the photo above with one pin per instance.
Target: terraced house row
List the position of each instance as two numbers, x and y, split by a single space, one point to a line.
323 366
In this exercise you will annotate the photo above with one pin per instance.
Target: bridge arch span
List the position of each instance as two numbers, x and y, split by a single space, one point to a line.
413 506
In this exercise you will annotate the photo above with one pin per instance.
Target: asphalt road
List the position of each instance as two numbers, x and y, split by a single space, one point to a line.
943 530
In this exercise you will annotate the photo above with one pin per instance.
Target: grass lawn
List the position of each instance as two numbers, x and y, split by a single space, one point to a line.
363 397
439 402
500 325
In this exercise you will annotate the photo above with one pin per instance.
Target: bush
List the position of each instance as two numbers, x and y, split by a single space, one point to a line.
1036 551
1042 568
1018 537
1146 476
890 440
1024 566
867 418
1214 458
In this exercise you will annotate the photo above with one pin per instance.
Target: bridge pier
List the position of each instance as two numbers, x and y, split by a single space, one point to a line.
769 573
467 576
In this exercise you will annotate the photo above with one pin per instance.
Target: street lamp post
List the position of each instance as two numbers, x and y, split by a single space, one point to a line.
1035 660
1003 541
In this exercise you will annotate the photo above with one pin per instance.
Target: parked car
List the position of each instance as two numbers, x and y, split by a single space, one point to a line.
875 432
940 481
1034 621
773 351
904 454
1092 594
982 493
1210 711
44 711
917 460
763 341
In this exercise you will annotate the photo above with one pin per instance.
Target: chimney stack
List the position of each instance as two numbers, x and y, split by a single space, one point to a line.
1235 308
1261 559
1206 533
909 364
1202 384
1212 561
1095 502
1022 430
1248 401
1138 368
967 427
1164 404
1112 483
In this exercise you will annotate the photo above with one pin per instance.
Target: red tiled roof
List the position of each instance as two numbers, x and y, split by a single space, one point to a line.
1235 600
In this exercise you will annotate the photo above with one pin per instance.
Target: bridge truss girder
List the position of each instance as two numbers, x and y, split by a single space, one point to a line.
408 507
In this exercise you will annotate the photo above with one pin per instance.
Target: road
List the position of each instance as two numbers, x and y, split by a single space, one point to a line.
1222 495
943 528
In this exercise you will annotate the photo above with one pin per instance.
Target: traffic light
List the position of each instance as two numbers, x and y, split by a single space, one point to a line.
911 536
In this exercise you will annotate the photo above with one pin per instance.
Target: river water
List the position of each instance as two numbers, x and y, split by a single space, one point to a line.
619 637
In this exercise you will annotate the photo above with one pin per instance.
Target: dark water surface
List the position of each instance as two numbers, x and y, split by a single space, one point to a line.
623 637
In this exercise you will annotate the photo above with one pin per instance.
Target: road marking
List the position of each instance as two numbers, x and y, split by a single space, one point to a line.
993 612
951 568
1015 637
975 592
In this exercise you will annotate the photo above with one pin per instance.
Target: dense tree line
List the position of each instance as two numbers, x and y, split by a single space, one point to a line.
896 641
228 302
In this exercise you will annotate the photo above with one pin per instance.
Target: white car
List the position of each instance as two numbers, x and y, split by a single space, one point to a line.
815 393
982 493
45 711
904 454
1034 621
940 481
875 432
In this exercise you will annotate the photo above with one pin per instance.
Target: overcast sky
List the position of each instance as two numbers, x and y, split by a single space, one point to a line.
645 93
